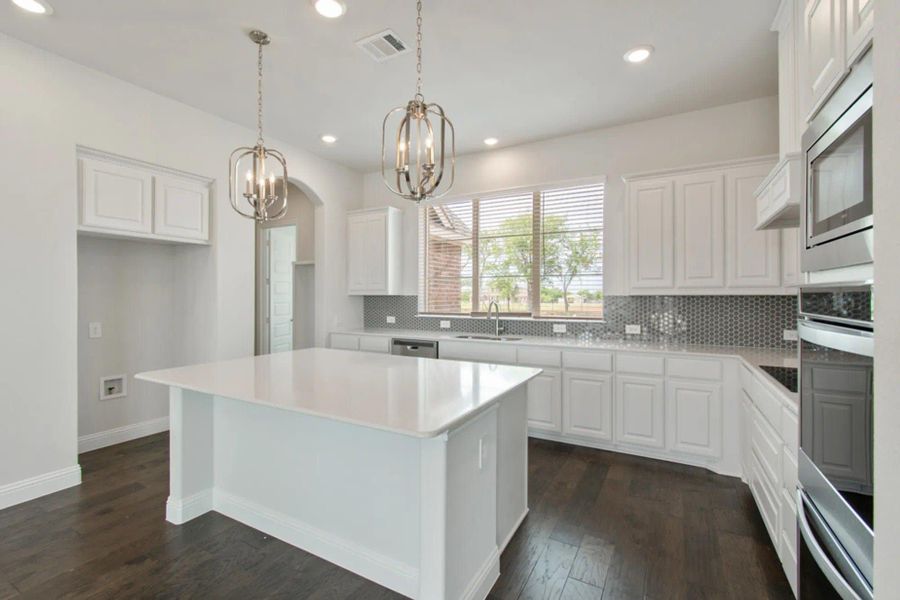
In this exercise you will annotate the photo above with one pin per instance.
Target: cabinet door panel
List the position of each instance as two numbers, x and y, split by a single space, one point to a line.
356 254
181 208
342 341
115 197
376 253
859 22
753 256
639 411
651 234
699 231
587 405
824 50
544 401
694 418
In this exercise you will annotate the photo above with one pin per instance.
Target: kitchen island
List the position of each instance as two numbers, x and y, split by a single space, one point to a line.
411 472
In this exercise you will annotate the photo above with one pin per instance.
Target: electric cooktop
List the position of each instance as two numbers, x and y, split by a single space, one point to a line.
786 376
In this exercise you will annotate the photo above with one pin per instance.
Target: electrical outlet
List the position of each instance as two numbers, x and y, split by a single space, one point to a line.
391 319
95 330
632 330
445 324
559 328
790 335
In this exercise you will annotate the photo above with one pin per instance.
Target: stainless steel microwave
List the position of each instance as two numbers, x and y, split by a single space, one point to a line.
837 215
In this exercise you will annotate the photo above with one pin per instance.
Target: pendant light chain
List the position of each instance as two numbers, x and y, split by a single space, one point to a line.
259 95
419 95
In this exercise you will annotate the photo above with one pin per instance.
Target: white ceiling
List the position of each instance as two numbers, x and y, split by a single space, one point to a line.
520 70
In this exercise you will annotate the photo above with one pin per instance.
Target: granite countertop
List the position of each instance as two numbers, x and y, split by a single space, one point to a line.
752 357
418 397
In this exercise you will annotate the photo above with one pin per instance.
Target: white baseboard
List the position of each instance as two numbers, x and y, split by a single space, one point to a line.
110 437
386 571
35 487
484 580
182 511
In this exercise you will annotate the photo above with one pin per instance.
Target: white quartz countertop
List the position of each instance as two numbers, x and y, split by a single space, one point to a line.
753 358
418 397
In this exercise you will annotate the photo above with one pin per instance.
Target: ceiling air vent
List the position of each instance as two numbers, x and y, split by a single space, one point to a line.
383 46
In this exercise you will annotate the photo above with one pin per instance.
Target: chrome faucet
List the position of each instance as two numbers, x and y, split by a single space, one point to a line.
493 305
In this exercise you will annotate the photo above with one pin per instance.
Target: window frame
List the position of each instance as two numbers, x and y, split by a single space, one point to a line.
536 250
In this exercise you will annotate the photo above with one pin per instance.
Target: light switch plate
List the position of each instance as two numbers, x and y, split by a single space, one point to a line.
559 328
445 324
95 330
790 335
632 330
391 319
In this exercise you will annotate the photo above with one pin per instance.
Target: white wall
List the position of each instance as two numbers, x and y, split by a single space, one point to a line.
886 154
734 131
132 288
49 105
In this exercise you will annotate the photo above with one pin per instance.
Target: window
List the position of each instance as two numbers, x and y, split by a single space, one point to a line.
536 253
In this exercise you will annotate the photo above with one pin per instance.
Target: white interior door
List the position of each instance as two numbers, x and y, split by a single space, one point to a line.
281 248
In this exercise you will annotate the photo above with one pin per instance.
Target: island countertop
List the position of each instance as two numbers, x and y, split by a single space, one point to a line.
419 397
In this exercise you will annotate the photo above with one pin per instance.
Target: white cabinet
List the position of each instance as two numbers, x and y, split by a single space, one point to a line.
640 411
790 121
544 401
126 198
694 417
859 22
754 259
180 208
791 274
587 405
699 231
116 197
374 256
651 239
371 343
824 54
780 195
343 341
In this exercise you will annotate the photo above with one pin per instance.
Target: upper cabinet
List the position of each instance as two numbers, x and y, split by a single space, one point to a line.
860 21
374 259
125 198
694 232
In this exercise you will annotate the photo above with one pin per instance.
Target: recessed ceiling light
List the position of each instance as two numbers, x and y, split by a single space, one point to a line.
331 9
639 54
329 139
491 141
34 6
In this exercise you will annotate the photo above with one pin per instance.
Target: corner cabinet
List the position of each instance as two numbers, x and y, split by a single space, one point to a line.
693 231
125 198
374 258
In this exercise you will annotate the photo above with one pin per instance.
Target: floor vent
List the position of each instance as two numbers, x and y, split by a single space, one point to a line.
383 45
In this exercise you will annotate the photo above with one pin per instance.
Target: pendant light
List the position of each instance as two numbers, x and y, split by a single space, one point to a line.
417 163
264 184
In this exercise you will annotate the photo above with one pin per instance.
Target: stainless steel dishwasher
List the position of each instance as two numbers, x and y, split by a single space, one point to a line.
420 348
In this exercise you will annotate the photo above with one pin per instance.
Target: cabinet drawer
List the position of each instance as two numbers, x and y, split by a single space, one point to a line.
368 343
695 368
539 357
788 529
789 474
640 364
790 430
767 448
765 499
342 341
478 352
589 361
765 401
747 380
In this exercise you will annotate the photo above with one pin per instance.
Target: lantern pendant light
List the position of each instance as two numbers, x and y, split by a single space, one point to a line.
416 166
265 182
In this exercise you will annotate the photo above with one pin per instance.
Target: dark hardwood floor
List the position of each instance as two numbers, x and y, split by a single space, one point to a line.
602 525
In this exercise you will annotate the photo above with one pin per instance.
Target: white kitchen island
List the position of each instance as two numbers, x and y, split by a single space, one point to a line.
411 472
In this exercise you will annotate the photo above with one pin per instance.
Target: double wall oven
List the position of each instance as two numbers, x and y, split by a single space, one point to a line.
835 496
837 220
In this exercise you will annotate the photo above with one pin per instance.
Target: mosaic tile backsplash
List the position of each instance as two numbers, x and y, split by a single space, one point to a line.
757 321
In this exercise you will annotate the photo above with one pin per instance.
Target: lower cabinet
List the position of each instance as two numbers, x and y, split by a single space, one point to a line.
544 406
640 411
694 417
587 405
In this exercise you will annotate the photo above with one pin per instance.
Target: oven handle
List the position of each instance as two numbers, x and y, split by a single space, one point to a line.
834 576
838 338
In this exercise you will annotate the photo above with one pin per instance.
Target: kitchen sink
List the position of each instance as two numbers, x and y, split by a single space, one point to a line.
492 338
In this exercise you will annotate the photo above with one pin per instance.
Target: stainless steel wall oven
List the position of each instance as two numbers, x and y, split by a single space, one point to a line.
835 497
